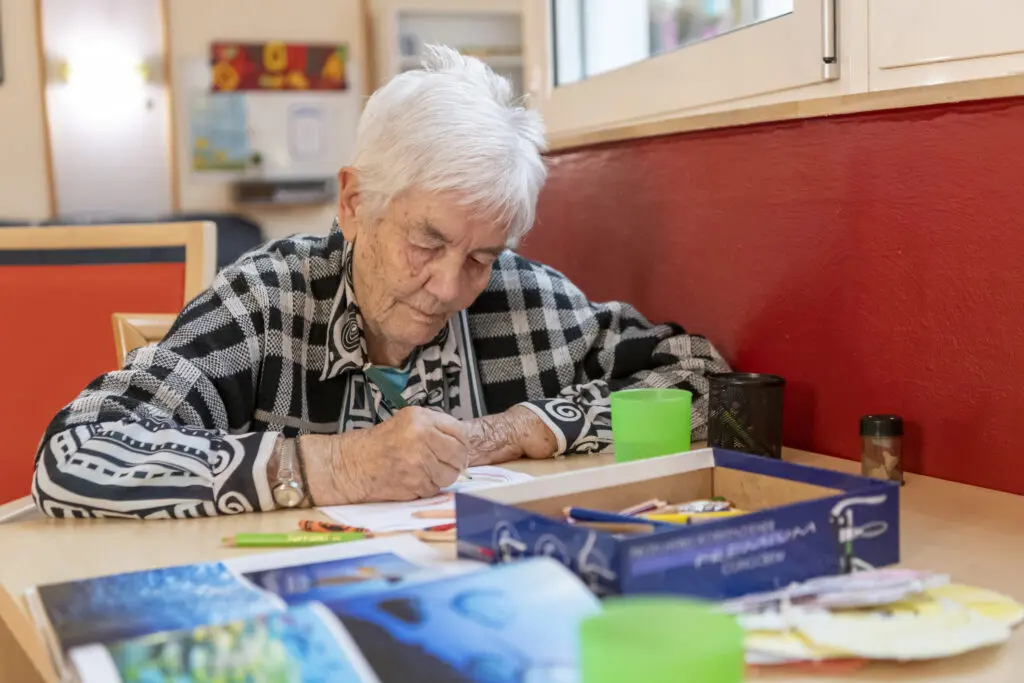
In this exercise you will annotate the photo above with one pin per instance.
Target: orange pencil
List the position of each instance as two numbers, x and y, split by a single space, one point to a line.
447 513
328 527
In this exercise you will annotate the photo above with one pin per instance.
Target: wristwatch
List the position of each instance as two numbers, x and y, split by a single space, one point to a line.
289 488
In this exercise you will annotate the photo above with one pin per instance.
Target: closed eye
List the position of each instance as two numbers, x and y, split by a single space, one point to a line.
487 257
480 265
426 247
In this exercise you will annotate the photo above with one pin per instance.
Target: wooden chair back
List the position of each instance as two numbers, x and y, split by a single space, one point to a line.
59 287
135 330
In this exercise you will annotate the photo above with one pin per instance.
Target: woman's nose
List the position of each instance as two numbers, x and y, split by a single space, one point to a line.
445 283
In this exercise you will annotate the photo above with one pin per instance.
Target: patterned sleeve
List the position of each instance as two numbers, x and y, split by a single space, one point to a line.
164 436
542 344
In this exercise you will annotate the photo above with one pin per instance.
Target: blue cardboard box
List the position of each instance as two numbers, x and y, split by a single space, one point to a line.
803 522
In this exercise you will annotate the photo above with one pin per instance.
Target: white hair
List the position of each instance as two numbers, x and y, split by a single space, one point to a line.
453 126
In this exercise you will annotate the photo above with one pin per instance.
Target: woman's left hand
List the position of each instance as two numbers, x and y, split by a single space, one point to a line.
507 436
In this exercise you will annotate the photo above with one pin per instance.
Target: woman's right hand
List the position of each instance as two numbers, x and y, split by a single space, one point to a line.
412 455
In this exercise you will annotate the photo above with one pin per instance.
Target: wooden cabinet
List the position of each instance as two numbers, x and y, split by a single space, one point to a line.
926 42
491 30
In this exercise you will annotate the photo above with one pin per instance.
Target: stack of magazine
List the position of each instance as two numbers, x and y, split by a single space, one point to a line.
367 611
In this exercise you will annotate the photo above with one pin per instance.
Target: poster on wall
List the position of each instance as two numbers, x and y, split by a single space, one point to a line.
219 133
276 65
307 133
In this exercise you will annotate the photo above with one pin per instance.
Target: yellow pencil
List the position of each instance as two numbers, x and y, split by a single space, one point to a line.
691 517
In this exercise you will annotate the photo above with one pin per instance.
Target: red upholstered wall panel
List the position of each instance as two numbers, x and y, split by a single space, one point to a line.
876 261
56 337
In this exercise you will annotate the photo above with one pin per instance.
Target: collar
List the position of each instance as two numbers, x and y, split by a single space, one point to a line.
346 341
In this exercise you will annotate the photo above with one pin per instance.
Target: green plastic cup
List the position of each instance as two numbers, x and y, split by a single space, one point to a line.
650 422
660 641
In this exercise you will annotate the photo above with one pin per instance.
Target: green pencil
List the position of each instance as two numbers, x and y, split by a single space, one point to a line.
292 538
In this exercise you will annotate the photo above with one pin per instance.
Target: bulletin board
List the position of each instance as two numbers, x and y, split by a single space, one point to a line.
297 132
295 135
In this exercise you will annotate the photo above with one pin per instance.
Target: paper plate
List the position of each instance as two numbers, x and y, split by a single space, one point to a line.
988 603
784 647
903 634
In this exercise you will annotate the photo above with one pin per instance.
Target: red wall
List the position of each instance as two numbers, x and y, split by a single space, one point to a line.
876 261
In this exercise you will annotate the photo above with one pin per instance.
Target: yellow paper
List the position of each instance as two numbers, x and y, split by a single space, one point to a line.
903 634
987 603
791 646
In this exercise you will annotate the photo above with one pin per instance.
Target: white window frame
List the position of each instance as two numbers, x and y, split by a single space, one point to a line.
779 54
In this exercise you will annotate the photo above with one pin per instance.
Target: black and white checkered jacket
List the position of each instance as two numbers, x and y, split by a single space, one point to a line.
275 346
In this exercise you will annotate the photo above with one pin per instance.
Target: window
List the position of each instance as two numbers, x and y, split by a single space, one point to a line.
594 64
596 36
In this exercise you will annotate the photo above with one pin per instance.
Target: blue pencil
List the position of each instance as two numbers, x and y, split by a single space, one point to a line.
585 515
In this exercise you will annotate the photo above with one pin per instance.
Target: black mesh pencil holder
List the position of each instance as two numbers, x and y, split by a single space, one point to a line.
745 413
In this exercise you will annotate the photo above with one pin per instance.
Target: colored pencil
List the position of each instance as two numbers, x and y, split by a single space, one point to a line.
574 514
692 517
328 527
434 536
297 538
646 506
446 513
617 527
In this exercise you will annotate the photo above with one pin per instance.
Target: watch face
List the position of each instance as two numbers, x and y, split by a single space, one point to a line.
288 495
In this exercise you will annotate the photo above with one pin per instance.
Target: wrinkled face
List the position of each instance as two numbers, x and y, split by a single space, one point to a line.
426 258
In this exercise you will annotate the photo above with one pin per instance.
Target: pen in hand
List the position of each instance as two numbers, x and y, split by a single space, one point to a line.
394 397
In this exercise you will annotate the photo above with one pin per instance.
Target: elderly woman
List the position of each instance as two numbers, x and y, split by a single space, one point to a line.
380 361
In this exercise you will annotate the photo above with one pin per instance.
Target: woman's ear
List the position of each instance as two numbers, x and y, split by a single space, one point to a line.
350 203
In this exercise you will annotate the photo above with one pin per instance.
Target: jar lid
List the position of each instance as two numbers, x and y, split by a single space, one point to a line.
881 425
746 379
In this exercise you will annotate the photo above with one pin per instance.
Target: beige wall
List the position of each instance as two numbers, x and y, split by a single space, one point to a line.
194 24
24 191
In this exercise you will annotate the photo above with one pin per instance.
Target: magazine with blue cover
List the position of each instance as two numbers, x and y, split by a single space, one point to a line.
388 615
516 622
118 607
304 644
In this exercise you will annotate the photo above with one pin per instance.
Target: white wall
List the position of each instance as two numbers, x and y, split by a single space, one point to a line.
194 24
108 125
24 190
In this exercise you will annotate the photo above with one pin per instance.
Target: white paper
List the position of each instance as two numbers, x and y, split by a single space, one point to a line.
860 589
307 133
399 516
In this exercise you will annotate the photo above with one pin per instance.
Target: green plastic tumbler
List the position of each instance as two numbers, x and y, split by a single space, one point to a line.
650 422
660 641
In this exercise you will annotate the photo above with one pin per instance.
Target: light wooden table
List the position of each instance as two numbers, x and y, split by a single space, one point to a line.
973 534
